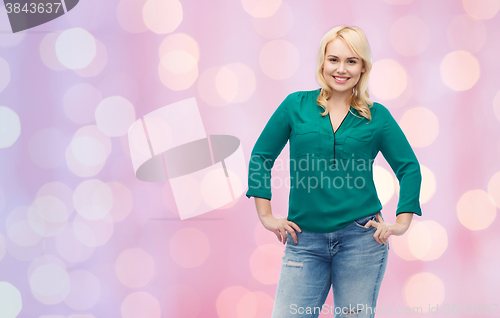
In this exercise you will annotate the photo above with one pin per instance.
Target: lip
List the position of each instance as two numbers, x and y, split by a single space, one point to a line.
341 82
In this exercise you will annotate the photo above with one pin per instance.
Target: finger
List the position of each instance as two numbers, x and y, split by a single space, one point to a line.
372 223
295 226
379 218
382 236
387 234
278 235
283 235
292 233
376 236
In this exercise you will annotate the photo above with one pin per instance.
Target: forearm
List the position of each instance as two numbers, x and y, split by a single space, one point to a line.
404 219
263 207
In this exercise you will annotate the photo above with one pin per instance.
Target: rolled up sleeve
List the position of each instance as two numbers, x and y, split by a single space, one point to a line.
269 145
397 151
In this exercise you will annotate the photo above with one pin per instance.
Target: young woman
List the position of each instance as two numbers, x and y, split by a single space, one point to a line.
336 234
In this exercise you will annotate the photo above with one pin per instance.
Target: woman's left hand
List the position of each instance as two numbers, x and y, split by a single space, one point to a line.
384 230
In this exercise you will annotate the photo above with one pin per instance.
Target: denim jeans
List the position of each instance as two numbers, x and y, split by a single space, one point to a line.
348 260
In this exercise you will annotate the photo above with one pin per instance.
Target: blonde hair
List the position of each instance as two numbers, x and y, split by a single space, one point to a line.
356 40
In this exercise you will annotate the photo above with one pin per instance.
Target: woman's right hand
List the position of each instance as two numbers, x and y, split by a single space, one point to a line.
280 226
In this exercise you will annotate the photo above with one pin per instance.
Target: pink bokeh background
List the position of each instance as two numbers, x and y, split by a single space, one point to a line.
80 236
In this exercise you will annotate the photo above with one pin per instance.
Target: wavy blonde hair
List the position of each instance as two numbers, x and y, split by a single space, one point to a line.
356 40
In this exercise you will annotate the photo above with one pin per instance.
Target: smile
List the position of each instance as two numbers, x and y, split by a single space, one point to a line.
340 79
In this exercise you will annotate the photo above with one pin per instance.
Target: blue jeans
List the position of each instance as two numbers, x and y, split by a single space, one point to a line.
349 260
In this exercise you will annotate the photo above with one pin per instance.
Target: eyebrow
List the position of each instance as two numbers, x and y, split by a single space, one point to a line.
349 58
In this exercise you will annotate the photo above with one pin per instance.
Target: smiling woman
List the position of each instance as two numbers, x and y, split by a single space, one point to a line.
335 233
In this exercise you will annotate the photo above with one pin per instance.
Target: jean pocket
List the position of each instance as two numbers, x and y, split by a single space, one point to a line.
362 221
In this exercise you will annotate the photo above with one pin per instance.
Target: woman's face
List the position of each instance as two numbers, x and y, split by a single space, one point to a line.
342 68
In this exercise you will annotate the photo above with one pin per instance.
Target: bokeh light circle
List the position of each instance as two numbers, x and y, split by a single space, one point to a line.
276 26
114 116
140 304
48 52
428 184
50 283
261 8
178 61
93 199
162 16
494 188
88 151
97 65
476 210
460 70
420 125
265 263
228 299
11 301
481 9
129 14
70 248
76 48
466 33
47 147
384 183
423 289
80 102
401 246
134 267
496 105
48 215
178 70
122 201
388 79
235 82
93 233
19 230
11 126
409 35
179 42
189 247
255 304
428 240
85 290
279 59
4 74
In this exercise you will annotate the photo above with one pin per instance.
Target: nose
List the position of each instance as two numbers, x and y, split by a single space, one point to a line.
341 68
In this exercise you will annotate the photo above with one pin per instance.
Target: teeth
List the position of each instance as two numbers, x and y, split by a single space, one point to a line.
341 79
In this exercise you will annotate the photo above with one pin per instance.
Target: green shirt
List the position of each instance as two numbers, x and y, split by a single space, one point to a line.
331 174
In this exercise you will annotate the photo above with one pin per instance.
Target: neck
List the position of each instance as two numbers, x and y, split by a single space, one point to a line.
339 100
